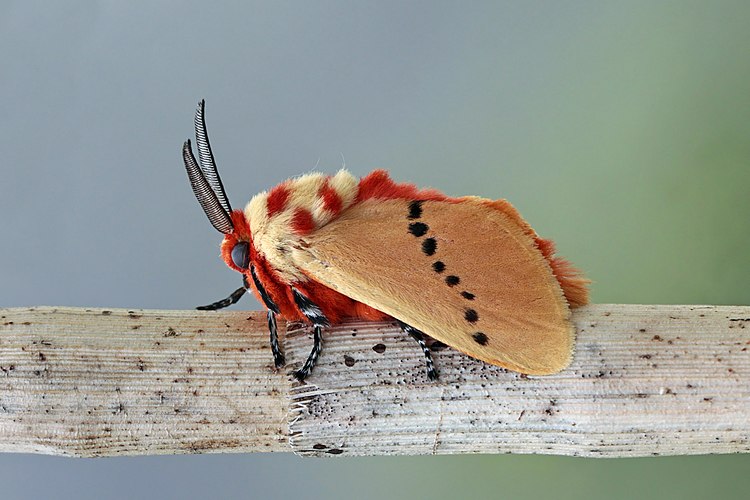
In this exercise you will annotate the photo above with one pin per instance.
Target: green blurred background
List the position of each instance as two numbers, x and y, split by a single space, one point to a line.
620 130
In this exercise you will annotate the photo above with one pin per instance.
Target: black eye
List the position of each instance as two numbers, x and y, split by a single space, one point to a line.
241 255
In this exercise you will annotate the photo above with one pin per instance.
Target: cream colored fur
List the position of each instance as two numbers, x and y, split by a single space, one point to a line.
274 238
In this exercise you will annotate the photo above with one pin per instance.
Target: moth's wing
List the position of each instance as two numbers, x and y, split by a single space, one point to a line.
463 272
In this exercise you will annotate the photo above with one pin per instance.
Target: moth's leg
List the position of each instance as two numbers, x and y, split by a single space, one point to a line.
278 356
273 310
221 304
417 335
303 372
313 313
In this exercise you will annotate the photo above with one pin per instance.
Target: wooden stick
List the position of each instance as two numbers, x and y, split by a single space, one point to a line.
645 380
93 382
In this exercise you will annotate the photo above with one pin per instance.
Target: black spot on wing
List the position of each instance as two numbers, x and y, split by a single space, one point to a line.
480 338
467 295
452 280
471 316
415 209
438 266
429 246
418 228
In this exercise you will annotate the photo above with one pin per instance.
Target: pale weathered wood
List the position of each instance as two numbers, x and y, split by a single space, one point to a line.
93 382
645 380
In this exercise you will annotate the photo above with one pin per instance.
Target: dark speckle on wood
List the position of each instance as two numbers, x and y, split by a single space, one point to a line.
437 346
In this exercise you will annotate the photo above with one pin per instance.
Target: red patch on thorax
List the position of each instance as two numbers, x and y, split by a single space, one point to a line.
302 221
331 199
277 199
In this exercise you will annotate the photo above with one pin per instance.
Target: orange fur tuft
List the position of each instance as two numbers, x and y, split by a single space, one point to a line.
574 285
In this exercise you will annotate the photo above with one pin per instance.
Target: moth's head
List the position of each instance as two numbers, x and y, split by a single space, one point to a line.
237 248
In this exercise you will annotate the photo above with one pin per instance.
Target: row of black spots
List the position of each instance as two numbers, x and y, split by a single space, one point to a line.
419 229
429 247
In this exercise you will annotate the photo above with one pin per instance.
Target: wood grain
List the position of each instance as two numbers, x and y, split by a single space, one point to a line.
645 380
94 382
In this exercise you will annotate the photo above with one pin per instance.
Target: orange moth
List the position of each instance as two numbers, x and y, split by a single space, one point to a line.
469 272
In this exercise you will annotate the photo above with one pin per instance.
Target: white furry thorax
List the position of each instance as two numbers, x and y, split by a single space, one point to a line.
273 234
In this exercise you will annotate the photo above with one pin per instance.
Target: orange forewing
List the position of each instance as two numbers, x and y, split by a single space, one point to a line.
465 272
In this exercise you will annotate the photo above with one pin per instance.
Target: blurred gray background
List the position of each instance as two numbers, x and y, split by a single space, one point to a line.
620 130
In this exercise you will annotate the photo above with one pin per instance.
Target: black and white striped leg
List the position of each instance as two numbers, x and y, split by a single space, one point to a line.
313 313
232 299
221 304
278 356
273 310
417 335
303 372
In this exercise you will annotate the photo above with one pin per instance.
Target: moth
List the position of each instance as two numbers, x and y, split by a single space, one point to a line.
469 272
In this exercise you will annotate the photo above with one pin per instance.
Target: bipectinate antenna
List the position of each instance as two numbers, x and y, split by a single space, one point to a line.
216 212
206 157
